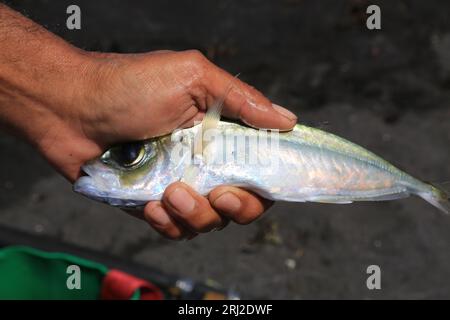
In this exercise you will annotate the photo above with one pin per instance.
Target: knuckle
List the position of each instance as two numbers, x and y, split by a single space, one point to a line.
203 227
172 233
246 217
206 223
175 237
195 55
196 66
172 237
197 61
148 210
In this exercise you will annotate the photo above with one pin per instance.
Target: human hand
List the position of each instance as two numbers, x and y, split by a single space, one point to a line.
146 95
72 105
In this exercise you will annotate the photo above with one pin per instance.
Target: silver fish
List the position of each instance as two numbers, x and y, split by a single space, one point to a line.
305 164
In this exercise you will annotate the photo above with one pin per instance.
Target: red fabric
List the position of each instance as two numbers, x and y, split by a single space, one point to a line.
118 285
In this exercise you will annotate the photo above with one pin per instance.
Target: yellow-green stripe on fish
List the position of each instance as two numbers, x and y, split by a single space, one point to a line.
305 164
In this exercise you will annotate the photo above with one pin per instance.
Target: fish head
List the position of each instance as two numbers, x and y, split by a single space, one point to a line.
131 174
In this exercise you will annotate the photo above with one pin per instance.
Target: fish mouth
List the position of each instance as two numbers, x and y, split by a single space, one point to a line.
85 186
92 189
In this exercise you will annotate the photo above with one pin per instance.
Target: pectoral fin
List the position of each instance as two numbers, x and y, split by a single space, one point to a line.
210 122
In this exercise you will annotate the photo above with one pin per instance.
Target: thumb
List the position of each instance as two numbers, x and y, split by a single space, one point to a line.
246 103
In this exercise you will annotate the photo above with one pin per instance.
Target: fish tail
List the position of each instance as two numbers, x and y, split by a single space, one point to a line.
439 196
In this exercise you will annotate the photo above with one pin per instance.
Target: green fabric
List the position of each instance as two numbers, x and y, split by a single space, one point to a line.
27 273
136 295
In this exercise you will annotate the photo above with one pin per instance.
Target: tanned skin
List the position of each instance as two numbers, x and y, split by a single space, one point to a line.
71 105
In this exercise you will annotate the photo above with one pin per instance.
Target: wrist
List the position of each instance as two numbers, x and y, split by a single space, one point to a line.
97 98
40 91
43 79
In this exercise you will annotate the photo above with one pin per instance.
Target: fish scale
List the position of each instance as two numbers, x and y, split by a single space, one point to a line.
308 165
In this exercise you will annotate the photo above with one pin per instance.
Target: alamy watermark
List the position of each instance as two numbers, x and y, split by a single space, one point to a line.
373 21
73 21
74 279
228 146
373 282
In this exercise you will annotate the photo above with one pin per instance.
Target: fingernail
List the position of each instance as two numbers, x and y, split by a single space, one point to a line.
260 107
228 202
284 112
182 201
159 216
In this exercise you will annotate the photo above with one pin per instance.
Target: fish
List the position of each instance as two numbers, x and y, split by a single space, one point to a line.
305 164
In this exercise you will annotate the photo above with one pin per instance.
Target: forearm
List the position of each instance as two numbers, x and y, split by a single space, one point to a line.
39 76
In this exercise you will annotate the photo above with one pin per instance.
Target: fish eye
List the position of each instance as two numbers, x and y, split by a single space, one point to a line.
129 154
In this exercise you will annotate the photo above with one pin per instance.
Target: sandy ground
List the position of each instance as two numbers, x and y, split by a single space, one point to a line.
387 90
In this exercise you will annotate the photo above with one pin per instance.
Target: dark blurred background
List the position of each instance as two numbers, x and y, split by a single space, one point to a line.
388 90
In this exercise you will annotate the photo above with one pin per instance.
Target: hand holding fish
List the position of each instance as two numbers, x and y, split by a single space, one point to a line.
152 94
72 105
